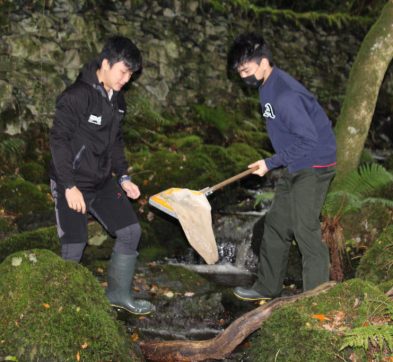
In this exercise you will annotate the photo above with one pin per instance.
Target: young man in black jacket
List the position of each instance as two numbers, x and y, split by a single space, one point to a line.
87 148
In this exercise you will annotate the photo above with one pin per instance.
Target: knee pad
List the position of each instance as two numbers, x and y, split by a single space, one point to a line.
127 239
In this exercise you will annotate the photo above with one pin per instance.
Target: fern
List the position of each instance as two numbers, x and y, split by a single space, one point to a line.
263 197
367 179
11 148
363 337
351 194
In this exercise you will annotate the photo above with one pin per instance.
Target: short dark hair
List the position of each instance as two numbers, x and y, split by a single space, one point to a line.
120 48
247 47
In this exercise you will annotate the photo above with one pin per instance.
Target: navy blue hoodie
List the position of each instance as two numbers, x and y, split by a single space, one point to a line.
299 129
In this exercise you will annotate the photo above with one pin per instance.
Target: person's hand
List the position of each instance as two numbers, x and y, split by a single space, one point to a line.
130 189
262 168
75 200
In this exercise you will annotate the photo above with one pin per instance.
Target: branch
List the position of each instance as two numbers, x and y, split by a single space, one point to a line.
224 343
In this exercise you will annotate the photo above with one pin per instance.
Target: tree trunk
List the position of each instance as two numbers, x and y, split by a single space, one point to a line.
223 344
365 78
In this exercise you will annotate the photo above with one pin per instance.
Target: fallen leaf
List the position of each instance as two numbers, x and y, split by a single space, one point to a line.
320 317
84 345
169 294
154 289
60 309
150 216
78 356
134 337
46 305
189 294
100 270
262 302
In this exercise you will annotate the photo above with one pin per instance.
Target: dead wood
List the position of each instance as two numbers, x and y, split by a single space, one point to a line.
224 343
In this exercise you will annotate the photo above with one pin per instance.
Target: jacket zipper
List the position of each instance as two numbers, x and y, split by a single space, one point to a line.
78 157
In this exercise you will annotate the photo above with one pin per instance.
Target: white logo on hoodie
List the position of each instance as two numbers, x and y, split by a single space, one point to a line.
268 112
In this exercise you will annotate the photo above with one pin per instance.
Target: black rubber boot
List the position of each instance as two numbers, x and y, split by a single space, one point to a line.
249 294
120 273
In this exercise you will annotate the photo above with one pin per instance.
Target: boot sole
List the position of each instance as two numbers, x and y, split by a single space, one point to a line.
128 310
251 299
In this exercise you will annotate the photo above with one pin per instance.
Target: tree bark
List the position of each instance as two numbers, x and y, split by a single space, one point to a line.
365 78
223 344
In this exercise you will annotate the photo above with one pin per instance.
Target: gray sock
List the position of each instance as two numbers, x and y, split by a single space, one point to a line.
127 239
72 251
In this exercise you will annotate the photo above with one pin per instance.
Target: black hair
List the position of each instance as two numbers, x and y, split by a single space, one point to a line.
120 48
247 47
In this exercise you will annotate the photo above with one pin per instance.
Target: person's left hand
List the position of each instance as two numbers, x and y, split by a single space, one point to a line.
130 189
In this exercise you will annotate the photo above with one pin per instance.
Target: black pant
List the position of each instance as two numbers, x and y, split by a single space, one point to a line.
109 205
294 214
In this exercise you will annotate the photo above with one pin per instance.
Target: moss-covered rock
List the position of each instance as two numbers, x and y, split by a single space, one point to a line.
313 329
99 243
31 204
43 238
54 310
376 265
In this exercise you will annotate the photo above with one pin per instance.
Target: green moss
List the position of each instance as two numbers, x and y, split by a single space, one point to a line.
292 336
336 18
45 238
23 197
217 118
51 308
376 265
242 155
187 279
6 227
296 333
152 253
187 142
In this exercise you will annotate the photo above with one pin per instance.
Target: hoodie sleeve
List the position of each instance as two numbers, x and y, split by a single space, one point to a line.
304 134
119 162
64 126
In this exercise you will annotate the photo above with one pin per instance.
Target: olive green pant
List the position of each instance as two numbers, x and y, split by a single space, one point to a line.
294 214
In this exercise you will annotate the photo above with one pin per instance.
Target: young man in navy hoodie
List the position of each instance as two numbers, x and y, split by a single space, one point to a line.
87 149
304 145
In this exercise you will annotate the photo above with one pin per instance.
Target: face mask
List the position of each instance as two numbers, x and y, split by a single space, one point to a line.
252 81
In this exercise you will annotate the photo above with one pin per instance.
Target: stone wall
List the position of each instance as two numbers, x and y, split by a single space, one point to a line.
184 44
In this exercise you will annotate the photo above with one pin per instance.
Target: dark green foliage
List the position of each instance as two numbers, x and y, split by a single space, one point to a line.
11 152
51 308
217 118
376 265
301 331
357 189
33 172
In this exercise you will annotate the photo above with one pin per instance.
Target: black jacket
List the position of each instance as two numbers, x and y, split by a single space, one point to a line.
86 140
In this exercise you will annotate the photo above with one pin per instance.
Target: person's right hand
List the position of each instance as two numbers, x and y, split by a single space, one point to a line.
262 168
75 200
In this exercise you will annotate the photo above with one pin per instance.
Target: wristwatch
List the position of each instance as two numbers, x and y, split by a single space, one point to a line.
124 178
